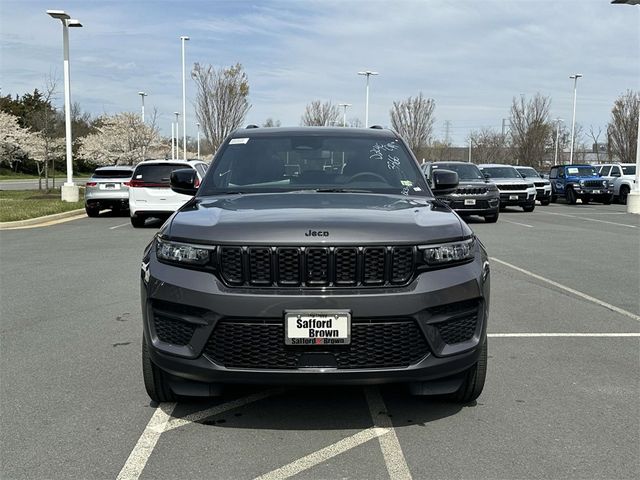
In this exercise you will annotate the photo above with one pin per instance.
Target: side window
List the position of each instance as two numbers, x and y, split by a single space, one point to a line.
615 171
553 173
604 171
561 173
201 169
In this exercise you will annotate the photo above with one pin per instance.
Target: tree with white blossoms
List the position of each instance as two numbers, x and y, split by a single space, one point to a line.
12 138
41 148
121 139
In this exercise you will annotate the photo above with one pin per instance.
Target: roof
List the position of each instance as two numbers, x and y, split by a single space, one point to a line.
572 165
496 165
117 167
319 131
156 162
451 161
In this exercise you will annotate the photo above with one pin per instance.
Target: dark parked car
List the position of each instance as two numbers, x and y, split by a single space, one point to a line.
579 182
475 194
107 189
314 256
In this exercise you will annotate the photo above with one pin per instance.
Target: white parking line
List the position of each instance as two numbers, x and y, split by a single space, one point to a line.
516 223
118 226
389 444
324 454
569 289
147 442
162 421
529 335
591 219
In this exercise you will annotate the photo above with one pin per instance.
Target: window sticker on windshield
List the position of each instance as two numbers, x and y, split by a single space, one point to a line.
236 141
417 189
572 170
406 183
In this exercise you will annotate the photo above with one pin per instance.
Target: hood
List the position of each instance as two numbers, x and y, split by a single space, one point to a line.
315 218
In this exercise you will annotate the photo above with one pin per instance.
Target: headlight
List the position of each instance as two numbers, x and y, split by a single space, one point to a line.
444 253
182 252
530 185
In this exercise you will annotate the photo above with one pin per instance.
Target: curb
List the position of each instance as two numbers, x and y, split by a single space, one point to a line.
39 220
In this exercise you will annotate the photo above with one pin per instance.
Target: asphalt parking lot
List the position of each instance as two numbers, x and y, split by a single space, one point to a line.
561 400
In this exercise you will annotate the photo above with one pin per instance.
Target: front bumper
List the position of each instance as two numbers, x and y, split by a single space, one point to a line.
519 198
208 303
473 204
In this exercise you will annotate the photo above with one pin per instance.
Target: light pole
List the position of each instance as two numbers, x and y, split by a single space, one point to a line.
575 78
177 114
173 148
344 115
198 127
142 95
368 73
633 199
184 102
558 121
70 192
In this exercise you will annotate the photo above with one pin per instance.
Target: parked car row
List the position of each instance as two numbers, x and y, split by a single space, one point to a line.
143 189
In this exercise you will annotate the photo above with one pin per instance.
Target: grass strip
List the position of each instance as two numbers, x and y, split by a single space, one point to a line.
24 204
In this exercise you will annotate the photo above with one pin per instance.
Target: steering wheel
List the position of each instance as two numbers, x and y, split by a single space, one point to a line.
368 174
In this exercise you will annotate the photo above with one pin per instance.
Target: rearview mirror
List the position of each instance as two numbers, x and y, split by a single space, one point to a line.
444 181
184 181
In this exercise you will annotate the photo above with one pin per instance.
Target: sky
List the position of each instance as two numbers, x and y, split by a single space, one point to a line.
473 57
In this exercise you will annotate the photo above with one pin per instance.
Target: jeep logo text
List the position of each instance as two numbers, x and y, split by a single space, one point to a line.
316 233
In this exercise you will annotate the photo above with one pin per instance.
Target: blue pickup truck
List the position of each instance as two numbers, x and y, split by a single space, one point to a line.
581 182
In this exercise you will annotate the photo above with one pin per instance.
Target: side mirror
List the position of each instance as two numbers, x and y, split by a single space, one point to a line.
184 181
444 181
487 176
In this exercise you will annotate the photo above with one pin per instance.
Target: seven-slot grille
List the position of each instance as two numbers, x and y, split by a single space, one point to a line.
512 187
316 266
594 183
471 190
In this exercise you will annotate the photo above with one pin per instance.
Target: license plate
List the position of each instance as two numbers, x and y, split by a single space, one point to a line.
596 191
324 327
513 197
109 186
469 201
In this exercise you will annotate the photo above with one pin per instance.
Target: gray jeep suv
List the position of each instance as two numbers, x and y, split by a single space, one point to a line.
314 256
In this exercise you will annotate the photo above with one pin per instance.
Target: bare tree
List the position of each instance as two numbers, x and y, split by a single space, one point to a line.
531 129
270 122
489 146
622 131
355 122
221 100
320 114
413 119
595 136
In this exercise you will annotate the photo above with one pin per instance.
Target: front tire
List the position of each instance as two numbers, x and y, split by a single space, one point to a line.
473 383
544 202
624 192
492 218
607 200
571 196
529 208
554 198
155 381
137 221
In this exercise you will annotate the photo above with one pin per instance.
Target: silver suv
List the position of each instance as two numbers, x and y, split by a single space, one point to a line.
107 189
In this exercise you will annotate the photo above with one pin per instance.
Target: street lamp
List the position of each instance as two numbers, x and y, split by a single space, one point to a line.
344 115
575 78
177 114
184 101
633 199
173 147
142 95
558 121
366 110
70 192
198 127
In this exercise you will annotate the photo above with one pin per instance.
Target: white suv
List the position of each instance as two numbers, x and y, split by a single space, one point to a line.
150 193
623 177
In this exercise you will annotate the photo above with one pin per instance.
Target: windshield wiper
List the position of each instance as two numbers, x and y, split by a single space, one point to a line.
341 190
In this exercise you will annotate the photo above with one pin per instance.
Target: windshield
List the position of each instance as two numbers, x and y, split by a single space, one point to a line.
465 171
528 172
113 173
279 163
628 169
582 171
501 172
158 173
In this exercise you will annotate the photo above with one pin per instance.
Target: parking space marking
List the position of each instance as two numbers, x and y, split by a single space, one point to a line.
591 219
163 421
147 442
516 223
569 289
218 409
118 226
528 335
324 454
389 443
